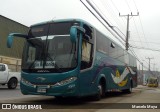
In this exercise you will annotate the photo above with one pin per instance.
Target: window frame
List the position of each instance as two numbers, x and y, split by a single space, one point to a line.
3 68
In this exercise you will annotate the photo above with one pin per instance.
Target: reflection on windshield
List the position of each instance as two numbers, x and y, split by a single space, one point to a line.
57 54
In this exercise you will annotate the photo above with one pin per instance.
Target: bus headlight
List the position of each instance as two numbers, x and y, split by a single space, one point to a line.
66 81
26 82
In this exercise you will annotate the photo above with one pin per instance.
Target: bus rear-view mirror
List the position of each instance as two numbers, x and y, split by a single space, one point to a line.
11 36
73 32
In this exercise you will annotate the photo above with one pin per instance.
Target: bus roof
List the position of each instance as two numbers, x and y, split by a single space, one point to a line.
62 20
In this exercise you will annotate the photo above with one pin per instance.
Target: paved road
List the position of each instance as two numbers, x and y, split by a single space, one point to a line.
9 94
140 94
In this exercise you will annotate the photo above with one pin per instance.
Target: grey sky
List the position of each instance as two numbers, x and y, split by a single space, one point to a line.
29 12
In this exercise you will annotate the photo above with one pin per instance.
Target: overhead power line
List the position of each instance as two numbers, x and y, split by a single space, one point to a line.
137 47
88 1
111 12
135 5
101 21
128 5
146 42
116 9
96 13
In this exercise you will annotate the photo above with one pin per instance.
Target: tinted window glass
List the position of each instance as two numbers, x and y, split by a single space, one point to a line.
102 43
60 28
2 68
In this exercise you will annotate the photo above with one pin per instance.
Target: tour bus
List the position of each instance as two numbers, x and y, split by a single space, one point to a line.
70 57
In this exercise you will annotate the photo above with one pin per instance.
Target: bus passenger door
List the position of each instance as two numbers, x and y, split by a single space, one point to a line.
86 69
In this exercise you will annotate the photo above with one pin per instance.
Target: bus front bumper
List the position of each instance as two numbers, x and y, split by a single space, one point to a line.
69 89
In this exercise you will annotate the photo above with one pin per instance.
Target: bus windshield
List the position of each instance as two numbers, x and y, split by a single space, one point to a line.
47 52
57 56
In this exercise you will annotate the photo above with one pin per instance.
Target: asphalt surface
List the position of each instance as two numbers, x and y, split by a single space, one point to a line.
10 94
112 102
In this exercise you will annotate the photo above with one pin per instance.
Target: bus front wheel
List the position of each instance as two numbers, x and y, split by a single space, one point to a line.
101 92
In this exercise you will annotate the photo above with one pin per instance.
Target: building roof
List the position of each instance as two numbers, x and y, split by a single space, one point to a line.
12 20
8 26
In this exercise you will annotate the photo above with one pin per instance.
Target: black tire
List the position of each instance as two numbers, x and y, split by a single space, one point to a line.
101 92
12 84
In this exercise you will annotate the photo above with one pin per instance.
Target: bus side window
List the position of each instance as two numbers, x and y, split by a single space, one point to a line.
86 60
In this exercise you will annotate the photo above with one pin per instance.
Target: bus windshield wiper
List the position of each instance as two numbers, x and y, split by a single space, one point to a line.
31 65
55 64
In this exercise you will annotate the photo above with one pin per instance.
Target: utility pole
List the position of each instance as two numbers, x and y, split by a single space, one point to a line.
149 62
142 68
127 32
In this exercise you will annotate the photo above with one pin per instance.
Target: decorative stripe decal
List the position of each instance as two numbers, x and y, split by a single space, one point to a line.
119 79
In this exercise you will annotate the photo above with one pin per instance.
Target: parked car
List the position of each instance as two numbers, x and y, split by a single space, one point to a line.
7 77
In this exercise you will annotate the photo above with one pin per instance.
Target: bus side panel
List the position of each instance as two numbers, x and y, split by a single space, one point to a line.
85 82
117 75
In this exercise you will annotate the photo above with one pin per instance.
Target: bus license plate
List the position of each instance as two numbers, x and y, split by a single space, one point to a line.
41 90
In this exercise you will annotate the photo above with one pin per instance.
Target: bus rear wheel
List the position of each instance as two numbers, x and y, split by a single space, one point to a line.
129 90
